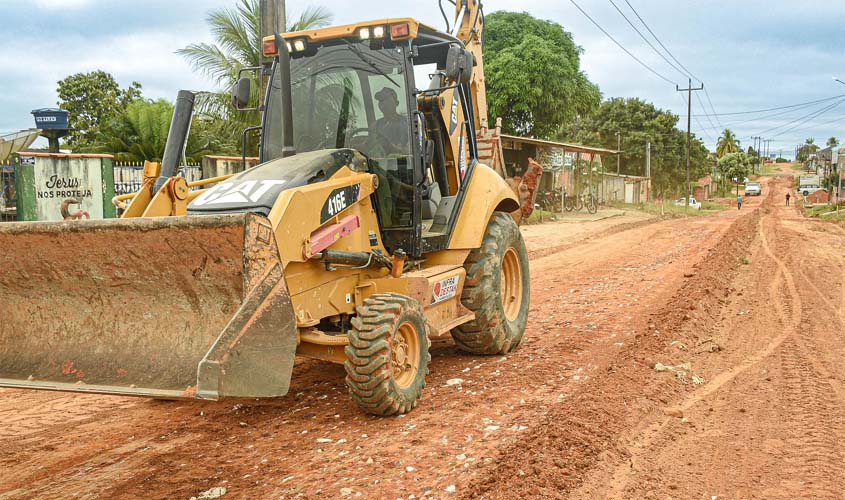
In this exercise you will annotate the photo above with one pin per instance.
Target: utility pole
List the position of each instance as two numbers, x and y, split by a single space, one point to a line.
648 160
618 148
273 20
689 90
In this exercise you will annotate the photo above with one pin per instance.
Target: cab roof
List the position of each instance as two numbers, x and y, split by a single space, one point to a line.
421 32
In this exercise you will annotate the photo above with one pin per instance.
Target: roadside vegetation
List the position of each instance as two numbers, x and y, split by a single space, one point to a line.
669 209
826 212
771 169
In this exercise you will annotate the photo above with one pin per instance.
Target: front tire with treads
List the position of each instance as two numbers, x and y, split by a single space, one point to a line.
387 354
497 290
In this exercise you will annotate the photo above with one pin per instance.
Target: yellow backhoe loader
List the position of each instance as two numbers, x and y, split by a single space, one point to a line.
368 228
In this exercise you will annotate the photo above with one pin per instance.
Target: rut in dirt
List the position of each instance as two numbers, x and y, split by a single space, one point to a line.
576 435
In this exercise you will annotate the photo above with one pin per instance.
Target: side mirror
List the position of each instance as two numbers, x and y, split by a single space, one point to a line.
459 63
241 93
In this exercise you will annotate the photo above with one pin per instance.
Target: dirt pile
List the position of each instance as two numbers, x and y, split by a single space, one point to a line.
580 433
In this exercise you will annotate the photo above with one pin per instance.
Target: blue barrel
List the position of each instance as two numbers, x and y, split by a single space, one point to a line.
51 119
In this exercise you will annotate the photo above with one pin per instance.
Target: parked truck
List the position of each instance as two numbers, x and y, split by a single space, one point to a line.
809 184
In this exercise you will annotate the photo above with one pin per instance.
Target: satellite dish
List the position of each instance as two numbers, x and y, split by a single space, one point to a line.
16 142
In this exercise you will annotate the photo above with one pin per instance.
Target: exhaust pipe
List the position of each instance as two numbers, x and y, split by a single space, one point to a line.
177 138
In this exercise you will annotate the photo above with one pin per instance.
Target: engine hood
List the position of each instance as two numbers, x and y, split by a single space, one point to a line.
257 189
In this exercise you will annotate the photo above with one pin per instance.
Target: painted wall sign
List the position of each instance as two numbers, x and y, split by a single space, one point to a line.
77 183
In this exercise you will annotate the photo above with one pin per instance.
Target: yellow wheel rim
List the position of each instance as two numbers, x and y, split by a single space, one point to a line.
511 285
405 355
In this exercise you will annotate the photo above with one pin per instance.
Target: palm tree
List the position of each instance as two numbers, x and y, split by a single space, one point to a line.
237 32
140 133
832 142
727 143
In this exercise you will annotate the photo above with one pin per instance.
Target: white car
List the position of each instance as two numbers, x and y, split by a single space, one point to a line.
753 189
693 203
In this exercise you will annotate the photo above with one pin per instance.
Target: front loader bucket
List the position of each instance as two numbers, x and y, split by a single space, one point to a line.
169 307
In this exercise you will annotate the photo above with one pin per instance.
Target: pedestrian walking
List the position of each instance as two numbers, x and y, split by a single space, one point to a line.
788 196
739 202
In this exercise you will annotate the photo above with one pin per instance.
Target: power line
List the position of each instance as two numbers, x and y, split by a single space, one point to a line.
701 127
715 115
685 73
658 41
646 39
646 66
735 124
803 119
823 111
700 102
803 104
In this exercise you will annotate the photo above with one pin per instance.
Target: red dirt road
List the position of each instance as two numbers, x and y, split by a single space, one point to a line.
746 307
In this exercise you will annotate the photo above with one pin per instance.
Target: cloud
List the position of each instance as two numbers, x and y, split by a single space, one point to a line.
62 4
751 55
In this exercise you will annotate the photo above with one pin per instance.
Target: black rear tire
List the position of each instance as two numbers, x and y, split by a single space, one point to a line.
497 290
387 354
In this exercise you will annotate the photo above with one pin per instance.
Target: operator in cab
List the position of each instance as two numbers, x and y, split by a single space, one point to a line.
392 127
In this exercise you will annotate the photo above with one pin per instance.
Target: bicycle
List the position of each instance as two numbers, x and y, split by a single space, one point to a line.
550 201
572 202
589 201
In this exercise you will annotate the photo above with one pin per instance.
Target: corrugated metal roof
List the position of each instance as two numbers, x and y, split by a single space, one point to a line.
575 148
12 143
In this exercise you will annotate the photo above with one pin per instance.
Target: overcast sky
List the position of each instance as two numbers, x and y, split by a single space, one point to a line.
751 54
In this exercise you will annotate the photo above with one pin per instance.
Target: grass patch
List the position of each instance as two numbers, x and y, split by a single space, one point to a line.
539 215
668 209
713 207
771 168
825 212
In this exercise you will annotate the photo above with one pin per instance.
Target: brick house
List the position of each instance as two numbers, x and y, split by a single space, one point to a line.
705 188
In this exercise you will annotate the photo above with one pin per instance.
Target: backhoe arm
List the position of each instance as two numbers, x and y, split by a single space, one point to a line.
469 27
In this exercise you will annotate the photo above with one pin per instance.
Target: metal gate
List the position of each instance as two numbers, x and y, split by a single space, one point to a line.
129 177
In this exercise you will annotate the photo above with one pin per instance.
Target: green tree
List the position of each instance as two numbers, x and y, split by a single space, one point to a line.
832 142
727 143
140 133
534 79
91 99
735 167
808 148
237 34
639 123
